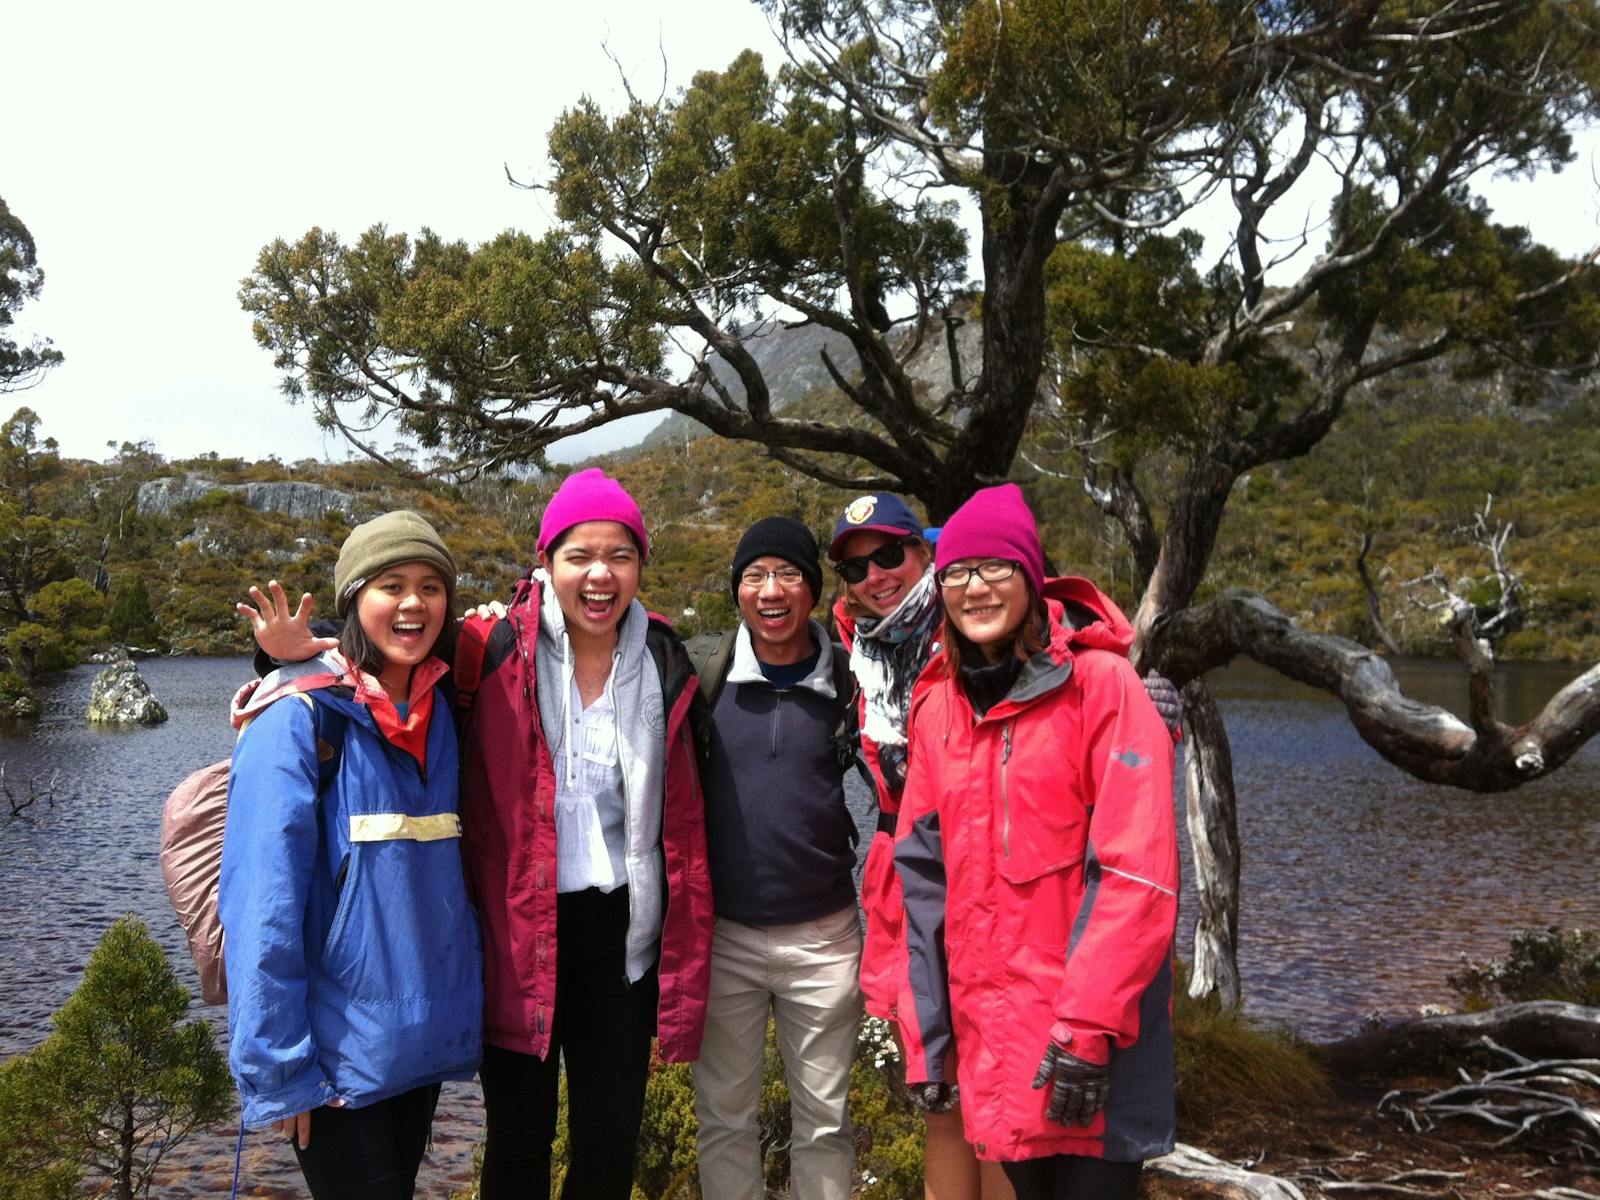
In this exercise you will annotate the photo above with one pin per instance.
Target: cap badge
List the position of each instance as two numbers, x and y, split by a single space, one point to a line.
861 510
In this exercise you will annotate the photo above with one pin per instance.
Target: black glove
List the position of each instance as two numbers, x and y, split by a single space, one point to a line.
1077 1088
1166 699
935 1097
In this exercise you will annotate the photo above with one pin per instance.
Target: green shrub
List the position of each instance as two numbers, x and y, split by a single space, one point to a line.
33 648
130 619
888 1127
1544 964
117 1084
15 698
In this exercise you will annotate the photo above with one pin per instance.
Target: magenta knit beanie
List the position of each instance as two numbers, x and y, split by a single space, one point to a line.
590 496
995 523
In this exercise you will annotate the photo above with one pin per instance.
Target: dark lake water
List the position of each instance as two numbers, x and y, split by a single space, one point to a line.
1362 887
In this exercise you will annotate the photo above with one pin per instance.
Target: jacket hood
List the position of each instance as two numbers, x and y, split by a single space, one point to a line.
328 669
1084 617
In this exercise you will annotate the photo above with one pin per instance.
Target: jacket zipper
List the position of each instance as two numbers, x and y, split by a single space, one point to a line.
1005 795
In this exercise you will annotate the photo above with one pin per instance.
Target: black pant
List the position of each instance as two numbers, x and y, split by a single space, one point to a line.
601 1030
1073 1177
369 1153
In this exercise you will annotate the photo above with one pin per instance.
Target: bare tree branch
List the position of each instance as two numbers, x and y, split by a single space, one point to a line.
1427 742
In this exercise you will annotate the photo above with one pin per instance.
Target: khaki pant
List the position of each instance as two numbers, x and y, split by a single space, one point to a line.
807 975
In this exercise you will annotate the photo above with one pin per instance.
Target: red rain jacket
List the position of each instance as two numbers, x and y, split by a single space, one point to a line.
1037 851
508 789
883 949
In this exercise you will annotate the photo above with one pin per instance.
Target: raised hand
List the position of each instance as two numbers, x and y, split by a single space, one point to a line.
286 636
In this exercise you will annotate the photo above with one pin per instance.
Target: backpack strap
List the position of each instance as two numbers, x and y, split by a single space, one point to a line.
709 655
328 726
471 643
847 734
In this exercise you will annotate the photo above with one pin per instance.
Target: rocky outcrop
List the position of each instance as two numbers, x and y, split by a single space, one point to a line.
120 696
303 501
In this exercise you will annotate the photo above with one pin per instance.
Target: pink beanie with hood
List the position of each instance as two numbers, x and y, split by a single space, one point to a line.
590 495
995 523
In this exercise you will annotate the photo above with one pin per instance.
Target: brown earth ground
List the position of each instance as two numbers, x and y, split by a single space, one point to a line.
1342 1138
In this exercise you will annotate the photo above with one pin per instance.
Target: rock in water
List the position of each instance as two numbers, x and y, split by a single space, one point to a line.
120 696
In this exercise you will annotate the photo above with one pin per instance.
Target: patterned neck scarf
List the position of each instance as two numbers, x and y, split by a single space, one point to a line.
888 655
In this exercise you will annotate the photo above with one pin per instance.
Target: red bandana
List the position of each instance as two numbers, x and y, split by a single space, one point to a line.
410 735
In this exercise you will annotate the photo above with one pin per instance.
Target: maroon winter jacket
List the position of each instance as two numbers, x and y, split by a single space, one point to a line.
508 790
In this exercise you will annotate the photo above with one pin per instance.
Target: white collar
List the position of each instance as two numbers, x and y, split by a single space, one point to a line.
746 668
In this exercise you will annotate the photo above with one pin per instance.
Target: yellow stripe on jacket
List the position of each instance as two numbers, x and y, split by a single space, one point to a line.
396 827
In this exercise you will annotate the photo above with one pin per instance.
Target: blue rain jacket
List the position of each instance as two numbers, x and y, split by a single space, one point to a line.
352 953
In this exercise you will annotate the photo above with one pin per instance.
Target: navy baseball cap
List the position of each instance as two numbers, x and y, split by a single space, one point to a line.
883 512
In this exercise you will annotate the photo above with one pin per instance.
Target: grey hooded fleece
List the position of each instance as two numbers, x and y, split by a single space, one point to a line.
635 692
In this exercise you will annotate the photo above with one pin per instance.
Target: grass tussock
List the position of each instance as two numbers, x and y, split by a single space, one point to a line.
1226 1063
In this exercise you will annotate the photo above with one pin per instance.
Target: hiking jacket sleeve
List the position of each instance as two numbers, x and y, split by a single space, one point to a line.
1124 929
269 854
923 1009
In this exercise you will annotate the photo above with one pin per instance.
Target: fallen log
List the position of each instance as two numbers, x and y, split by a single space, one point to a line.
1222 1179
1541 1029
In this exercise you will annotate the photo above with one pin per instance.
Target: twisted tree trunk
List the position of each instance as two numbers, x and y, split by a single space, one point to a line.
1212 812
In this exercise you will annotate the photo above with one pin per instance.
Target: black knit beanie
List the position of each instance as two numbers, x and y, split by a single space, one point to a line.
785 538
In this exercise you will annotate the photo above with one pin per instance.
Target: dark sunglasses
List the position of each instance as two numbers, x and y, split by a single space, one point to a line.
888 556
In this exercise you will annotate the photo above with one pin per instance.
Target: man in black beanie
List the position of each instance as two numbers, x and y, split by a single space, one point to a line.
782 852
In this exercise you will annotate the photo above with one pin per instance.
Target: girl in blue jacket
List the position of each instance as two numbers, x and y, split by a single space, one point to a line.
353 960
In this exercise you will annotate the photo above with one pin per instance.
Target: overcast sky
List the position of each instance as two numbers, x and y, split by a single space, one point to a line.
153 149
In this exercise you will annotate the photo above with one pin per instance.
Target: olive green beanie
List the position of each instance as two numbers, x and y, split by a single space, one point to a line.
401 536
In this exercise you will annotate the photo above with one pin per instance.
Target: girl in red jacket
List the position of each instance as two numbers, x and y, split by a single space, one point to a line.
1037 854
889 619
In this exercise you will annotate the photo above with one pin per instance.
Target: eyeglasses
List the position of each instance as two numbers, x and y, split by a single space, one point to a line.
754 577
888 556
991 570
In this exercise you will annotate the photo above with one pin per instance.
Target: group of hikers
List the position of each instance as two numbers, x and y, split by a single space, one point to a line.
545 836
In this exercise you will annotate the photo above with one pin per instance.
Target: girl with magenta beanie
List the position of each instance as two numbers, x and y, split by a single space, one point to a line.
586 845
890 618
583 841
1037 855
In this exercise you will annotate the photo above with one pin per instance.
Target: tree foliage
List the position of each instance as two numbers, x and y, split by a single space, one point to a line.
130 619
44 610
118 1083
826 192
21 280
